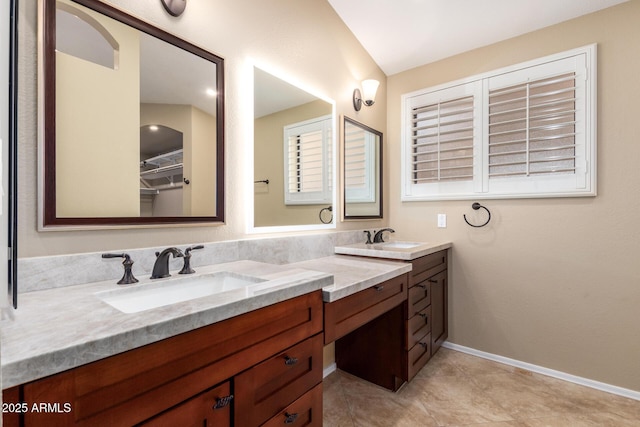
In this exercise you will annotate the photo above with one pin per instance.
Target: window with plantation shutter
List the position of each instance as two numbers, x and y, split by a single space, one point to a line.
307 172
525 131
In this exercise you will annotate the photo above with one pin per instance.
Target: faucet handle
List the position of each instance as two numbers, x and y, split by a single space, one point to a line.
368 233
191 248
127 277
186 267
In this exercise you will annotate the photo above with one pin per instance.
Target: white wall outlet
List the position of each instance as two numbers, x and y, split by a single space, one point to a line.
442 220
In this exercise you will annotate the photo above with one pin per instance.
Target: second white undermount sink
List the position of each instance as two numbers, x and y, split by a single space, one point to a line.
401 245
139 298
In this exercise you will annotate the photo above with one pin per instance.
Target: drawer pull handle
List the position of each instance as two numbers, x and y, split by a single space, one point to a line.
422 286
423 344
221 402
424 316
290 418
378 287
432 281
290 361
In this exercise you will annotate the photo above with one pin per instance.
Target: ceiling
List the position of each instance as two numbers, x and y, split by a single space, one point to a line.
403 34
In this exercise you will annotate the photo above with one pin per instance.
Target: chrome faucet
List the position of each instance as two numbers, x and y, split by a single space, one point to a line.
161 266
378 236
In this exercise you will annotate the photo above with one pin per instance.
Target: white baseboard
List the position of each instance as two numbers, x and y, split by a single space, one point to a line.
631 394
329 369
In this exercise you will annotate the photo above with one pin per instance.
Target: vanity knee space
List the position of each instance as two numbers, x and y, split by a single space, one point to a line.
388 332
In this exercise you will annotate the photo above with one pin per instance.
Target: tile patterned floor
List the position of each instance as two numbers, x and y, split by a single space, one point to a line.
456 389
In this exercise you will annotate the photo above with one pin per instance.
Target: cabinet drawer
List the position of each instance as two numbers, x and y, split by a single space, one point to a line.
418 326
213 407
270 386
305 411
427 266
418 356
419 297
349 313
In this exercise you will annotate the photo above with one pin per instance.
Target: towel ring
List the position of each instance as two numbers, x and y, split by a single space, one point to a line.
322 218
475 207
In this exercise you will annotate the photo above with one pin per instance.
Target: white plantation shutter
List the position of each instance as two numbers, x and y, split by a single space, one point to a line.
532 127
535 136
307 163
442 141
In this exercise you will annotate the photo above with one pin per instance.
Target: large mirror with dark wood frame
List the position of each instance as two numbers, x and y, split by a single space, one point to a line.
132 130
362 171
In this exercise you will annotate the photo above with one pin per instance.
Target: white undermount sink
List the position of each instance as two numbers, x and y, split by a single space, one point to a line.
138 298
401 245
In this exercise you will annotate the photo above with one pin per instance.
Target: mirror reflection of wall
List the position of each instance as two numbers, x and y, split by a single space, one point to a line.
362 170
292 150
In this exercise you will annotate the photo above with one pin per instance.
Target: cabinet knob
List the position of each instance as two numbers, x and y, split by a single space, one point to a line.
378 287
290 418
290 361
221 402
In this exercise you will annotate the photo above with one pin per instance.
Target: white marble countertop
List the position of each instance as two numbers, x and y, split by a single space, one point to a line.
353 274
393 249
77 328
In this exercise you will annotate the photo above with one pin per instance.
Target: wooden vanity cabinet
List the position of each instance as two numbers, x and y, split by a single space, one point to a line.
186 376
368 331
426 324
385 334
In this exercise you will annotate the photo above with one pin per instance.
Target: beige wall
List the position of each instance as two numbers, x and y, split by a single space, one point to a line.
269 207
553 282
304 40
202 157
98 171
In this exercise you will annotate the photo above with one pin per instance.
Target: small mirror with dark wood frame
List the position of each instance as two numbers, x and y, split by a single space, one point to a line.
133 126
362 171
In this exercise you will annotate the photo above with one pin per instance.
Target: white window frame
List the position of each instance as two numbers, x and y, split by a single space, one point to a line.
321 124
582 183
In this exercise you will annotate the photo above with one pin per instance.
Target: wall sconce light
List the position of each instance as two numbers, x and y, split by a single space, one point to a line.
368 95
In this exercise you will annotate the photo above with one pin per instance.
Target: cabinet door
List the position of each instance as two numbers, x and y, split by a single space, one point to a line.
439 310
211 408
